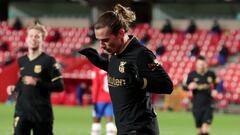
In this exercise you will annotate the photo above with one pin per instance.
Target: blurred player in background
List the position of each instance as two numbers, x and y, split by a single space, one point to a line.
202 83
133 73
102 105
39 76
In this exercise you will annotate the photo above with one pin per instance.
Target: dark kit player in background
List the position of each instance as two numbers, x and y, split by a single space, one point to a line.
202 83
133 73
39 76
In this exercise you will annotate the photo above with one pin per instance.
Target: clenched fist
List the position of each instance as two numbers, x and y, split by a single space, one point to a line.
10 89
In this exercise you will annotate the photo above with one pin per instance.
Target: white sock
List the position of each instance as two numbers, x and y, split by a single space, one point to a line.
111 128
96 129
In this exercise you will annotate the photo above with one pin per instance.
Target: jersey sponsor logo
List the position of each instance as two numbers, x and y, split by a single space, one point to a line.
116 82
195 79
203 86
37 68
121 66
105 84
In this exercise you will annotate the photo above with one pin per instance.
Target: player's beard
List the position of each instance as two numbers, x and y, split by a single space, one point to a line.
35 48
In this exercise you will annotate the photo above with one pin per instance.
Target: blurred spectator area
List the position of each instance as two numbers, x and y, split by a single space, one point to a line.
73 19
174 60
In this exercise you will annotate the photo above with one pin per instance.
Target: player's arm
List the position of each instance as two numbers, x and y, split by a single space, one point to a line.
184 84
95 58
155 78
215 80
15 88
189 84
95 85
56 84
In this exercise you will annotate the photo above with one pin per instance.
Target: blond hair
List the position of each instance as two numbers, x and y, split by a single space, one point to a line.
120 17
39 27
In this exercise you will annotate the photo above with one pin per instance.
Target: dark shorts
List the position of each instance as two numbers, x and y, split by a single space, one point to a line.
203 115
150 128
24 127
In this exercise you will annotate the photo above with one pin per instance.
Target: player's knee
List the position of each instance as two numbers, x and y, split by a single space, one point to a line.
111 128
96 129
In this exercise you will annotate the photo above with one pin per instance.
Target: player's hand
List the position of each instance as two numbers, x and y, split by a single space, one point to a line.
10 89
192 86
29 80
88 52
214 93
132 73
94 57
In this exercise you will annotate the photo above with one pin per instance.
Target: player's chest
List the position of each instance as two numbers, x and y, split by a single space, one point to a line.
35 69
116 66
203 79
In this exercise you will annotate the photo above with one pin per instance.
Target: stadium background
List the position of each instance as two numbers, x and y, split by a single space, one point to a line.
73 19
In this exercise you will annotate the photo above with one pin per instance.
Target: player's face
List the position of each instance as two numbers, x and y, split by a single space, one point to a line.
201 66
34 39
108 41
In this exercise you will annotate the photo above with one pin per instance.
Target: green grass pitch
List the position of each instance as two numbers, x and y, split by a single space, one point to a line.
77 121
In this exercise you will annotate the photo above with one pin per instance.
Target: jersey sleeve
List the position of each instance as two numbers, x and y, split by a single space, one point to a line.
99 61
189 78
55 70
187 81
157 80
19 81
56 83
214 77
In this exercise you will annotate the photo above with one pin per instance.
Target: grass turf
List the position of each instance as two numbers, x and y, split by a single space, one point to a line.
77 121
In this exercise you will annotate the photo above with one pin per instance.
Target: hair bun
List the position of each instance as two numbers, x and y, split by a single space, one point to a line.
124 13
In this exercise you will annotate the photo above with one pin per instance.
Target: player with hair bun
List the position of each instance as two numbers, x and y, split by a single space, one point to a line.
133 73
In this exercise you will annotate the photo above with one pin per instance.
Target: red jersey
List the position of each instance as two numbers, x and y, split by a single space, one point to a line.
100 91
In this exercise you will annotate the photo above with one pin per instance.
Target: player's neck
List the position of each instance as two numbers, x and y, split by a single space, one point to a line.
126 41
33 54
201 72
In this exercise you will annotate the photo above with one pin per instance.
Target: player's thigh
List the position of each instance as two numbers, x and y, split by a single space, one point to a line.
198 115
208 116
43 128
21 126
98 110
108 110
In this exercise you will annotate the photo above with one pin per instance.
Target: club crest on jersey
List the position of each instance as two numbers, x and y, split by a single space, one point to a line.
209 79
121 66
37 68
